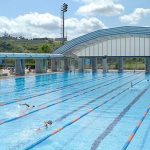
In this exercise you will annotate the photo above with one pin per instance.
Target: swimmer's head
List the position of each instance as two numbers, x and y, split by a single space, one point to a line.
49 122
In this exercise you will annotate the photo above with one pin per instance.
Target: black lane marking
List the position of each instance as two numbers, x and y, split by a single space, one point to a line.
111 126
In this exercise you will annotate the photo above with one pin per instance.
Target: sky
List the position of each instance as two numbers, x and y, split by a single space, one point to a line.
42 18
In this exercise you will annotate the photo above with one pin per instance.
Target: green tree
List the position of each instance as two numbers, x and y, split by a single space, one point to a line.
45 49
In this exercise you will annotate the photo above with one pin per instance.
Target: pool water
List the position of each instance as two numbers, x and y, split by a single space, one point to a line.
89 111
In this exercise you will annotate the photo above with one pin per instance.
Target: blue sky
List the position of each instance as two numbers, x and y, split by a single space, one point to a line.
41 18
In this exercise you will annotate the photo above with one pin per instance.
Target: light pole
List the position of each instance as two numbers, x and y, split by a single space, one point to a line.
63 9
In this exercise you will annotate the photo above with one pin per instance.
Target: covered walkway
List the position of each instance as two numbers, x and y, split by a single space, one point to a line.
41 61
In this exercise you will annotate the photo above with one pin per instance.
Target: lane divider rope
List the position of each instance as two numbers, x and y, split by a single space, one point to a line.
90 102
32 96
53 104
136 129
116 120
42 80
63 127
48 92
81 90
6 93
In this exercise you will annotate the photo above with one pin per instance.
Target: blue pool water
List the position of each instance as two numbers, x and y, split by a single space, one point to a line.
89 111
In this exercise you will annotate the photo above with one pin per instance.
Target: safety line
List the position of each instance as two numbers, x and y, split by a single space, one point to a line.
111 126
52 91
5 93
78 118
136 129
53 104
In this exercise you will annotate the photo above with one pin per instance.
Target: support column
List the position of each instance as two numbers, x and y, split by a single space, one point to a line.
45 65
62 65
54 65
104 64
120 65
1 61
41 66
147 64
58 65
72 65
19 66
66 65
81 64
94 64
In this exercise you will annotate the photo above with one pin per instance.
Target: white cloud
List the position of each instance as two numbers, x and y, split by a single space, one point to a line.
30 25
77 27
100 7
135 16
47 25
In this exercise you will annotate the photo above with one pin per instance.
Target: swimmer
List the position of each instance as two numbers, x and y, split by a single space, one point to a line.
47 123
25 104
147 80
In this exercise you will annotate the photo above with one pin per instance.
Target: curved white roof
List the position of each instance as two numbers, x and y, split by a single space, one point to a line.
103 33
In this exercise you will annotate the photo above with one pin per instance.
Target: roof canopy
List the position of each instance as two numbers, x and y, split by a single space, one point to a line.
102 34
29 55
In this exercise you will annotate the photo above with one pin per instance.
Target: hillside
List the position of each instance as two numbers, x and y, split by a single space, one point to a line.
14 45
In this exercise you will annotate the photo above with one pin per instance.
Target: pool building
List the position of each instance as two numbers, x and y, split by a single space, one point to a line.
80 110
119 43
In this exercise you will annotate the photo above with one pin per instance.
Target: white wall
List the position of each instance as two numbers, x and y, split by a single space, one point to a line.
121 46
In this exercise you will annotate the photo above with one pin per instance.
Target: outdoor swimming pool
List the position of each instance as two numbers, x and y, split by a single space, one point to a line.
89 112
